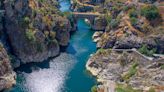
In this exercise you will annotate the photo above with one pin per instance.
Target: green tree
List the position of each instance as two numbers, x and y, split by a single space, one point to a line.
144 50
133 13
30 35
150 12
133 20
108 18
94 89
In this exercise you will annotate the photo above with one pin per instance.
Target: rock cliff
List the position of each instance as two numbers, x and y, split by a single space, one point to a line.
129 24
7 76
126 67
35 28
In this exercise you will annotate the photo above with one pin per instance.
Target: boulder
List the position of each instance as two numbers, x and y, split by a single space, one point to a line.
97 36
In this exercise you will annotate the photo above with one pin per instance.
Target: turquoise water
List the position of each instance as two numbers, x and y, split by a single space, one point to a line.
65 73
81 46
65 5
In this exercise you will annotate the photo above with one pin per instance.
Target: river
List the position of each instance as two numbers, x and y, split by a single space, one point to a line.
65 73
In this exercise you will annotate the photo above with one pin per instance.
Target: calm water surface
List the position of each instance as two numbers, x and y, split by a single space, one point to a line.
65 73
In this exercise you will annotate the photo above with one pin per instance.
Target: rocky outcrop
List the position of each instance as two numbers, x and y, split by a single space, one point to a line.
78 6
62 33
35 29
117 66
124 36
99 24
128 41
126 67
97 36
7 76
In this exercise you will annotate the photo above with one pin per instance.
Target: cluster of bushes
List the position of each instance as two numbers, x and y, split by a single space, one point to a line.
112 23
150 12
30 35
24 21
144 50
41 1
133 14
94 89
114 6
132 71
125 88
128 88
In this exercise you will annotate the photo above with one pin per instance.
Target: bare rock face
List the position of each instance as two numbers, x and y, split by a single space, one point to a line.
62 33
127 67
100 24
124 37
35 29
7 76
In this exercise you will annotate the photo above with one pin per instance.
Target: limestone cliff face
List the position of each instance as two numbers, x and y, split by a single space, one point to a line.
100 24
126 67
124 36
7 76
62 28
35 28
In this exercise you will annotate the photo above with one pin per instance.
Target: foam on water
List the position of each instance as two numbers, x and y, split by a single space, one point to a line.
51 79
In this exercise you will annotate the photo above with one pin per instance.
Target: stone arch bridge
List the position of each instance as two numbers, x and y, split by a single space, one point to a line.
85 15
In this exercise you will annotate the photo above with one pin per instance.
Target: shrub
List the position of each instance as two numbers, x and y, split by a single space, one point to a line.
133 13
41 1
39 47
114 23
67 14
52 35
27 20
108 18
94 89
101 50
123 88
133 21
162 66
144 50
151 90
132 71
125 8
24 21
150 12
30 35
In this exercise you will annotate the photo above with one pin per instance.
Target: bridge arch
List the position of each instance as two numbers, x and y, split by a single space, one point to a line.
85 15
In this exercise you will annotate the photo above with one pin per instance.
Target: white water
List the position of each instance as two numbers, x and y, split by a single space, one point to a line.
51 79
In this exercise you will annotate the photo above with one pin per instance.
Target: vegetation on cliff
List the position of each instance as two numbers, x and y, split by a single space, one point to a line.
7 75
130 24
34 30
39 27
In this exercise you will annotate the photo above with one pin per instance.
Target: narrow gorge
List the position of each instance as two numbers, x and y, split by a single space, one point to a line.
81 46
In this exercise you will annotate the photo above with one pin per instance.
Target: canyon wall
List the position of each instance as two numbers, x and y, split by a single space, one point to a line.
7 75
36 29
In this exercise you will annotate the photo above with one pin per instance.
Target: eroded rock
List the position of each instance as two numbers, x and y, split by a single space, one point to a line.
126 67
7 76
